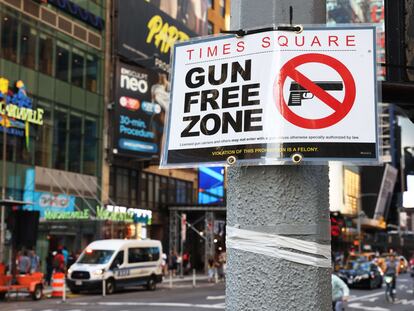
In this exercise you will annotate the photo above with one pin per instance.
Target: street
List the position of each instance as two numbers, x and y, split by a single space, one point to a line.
204 297
374 300
182 297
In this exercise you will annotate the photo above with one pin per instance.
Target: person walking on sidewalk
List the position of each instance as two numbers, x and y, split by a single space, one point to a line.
340 293
211 269
34 262
23 263
59 262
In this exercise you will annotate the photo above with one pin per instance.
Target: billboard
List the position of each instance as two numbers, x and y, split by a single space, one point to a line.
146 34
141 99
210 185
191 13
385 194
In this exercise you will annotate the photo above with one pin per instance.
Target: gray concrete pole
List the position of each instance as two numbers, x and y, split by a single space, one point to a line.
284 200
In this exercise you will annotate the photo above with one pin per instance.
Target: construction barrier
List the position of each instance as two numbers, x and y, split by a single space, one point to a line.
58 284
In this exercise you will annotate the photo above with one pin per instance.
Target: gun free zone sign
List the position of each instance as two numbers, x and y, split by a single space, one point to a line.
265 97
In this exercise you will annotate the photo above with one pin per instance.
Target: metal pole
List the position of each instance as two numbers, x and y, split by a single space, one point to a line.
3 192
282 200
64 290
103 286
170 281
194 278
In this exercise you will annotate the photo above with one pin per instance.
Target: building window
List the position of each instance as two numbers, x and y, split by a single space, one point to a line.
78 60
75 143
45 54
122 186
28 39
143 190
59 139
210 28
90 147
62 61
134 188
211 4
157 190
222 8
9 31
44 138
92 70
163 190
150 180
171 191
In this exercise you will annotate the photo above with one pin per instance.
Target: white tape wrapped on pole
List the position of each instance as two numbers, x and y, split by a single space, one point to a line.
273 245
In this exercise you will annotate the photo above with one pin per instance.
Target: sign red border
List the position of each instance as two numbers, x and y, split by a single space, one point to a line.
341 108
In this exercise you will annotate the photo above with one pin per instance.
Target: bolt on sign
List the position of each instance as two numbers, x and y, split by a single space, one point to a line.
274 97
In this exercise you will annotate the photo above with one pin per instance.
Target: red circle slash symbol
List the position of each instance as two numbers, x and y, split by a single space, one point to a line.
341 109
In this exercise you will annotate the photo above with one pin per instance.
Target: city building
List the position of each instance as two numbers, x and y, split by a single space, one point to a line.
52 86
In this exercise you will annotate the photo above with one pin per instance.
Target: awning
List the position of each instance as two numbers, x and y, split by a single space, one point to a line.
11 203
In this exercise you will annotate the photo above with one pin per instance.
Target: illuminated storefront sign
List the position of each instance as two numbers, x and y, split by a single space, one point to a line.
16 111
78 12
130 215
138 215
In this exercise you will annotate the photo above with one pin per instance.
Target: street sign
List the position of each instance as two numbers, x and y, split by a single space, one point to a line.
272 97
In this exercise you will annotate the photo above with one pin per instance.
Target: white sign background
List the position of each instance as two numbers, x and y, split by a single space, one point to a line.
268 52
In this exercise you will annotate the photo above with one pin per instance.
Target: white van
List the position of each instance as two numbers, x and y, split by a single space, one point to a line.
120 263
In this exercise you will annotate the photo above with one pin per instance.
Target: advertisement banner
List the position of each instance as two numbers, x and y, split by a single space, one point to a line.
275 96
45 202
146 34
210 185
141 99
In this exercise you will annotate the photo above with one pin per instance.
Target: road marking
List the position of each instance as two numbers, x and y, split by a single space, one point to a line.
366 296
216 297
358 305
154 304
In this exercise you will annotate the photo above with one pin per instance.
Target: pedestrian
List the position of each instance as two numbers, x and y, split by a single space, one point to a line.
186 262
340 293
65 254
173 263
34 262
211 269
23 263
59 262
164 264
49 267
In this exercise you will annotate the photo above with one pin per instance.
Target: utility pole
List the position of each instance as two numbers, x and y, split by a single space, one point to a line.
290 201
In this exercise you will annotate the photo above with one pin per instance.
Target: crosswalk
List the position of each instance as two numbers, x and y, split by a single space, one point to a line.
376 301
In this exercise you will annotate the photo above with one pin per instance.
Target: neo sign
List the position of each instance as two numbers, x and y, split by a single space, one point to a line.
269 96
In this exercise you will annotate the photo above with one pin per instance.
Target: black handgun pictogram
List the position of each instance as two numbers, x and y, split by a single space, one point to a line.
298 92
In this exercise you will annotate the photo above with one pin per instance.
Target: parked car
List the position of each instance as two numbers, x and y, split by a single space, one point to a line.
363 274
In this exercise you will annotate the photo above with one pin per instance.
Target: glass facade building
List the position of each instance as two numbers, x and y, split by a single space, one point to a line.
59 57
